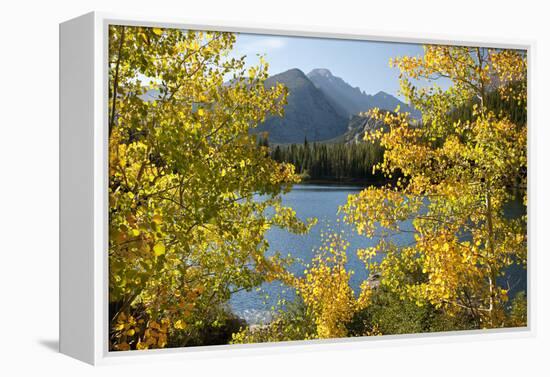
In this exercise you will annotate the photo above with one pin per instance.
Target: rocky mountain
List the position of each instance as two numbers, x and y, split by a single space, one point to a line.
308 113
349 100
358 125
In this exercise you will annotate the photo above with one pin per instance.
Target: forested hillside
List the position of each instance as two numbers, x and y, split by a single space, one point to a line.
332 162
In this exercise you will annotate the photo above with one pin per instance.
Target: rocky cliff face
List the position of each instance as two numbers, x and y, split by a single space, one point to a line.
351 101
308 114
358 125
323 107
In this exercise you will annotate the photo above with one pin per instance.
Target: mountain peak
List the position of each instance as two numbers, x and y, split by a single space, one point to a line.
292 78
349 100
381 94
308 112
293 72
320 72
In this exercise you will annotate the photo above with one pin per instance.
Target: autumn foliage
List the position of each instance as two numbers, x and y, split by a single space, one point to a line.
186 227
457 178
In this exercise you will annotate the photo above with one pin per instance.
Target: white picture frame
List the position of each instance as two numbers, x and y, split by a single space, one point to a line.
83 188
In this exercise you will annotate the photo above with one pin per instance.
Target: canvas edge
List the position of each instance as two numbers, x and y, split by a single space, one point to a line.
100 342
76 189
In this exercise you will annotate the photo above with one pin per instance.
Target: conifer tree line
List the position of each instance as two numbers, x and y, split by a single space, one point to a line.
355 161
494 101
339 161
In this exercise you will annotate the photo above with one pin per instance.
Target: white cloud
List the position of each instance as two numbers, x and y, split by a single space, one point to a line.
260 45
274 43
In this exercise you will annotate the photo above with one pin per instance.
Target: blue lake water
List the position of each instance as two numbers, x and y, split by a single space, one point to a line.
321 202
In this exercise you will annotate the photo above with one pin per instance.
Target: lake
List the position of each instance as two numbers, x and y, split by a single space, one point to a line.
321 202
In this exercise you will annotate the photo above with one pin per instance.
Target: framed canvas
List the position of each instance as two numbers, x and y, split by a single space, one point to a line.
238 189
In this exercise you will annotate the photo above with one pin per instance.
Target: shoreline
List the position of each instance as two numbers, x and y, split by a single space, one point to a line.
344 182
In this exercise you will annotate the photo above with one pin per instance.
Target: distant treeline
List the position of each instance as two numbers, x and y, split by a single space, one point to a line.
337 162
354 161
494 102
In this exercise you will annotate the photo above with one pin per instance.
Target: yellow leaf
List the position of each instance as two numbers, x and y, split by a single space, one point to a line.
141 346
180 325
159 249
157 31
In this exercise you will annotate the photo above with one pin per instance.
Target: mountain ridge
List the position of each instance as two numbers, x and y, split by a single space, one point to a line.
322 107
352 100
308 113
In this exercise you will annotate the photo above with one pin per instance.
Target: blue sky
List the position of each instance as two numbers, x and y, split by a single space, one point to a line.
359 63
